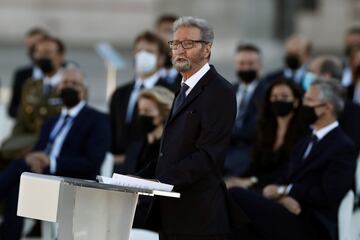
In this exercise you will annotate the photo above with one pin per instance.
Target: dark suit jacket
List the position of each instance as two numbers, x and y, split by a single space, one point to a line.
84 147
349 121
246 134
123 133
20 76
139 154
191 158
322 180
350 91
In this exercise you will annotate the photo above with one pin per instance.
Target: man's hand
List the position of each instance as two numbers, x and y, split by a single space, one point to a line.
119 159
37 161
271 192
232 182
290 204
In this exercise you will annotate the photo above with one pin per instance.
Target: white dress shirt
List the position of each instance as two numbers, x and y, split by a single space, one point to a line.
346 77
146 83
195 78
37 73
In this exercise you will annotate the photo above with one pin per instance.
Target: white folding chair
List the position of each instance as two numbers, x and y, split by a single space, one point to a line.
345 216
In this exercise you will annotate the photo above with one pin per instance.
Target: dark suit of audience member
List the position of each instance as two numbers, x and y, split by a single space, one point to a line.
278 129
72 144
321 170
249 96
349 121
244 132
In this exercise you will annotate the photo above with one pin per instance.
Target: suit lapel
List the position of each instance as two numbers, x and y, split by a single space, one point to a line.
195 92
313 159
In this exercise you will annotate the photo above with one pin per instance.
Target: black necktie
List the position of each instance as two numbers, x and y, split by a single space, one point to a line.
180 99
313 141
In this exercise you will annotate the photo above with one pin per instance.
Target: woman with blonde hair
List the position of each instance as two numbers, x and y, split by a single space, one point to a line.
154 106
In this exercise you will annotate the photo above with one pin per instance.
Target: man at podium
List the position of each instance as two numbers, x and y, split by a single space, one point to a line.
194 142
72 144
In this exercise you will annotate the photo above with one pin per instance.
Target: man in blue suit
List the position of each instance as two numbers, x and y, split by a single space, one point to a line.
304 204
72 144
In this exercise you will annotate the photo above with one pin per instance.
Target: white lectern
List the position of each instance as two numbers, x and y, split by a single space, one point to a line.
83 209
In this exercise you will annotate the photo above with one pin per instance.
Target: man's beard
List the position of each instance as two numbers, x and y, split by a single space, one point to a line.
181 64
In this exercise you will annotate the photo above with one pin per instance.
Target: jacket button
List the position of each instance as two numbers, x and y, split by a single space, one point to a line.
161 154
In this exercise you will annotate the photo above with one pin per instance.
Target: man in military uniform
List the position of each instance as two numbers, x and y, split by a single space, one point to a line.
39 100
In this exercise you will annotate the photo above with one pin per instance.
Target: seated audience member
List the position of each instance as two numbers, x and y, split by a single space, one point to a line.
24 73
279 128
153 110
298 50
39 100
249 95
163 28
351 41
353 90
304 204
329 67
72 144
148 54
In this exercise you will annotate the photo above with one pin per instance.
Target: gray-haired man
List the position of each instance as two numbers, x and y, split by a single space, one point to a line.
194 142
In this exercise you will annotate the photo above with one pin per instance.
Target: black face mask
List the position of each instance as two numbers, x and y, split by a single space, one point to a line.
292 61
282 108
70 97
45 64
247 76
308 114
146 124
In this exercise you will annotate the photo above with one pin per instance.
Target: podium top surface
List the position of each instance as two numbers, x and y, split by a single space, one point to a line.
97 185
88 183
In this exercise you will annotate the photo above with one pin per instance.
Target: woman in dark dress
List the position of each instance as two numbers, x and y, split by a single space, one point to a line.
279 127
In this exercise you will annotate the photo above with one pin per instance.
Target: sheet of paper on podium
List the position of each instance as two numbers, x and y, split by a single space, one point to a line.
127 181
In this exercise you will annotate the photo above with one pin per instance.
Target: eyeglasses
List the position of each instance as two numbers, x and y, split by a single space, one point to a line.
186 44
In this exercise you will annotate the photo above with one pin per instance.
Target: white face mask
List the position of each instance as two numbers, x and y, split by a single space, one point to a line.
145 62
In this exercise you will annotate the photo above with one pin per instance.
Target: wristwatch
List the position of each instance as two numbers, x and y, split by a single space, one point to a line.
281 190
